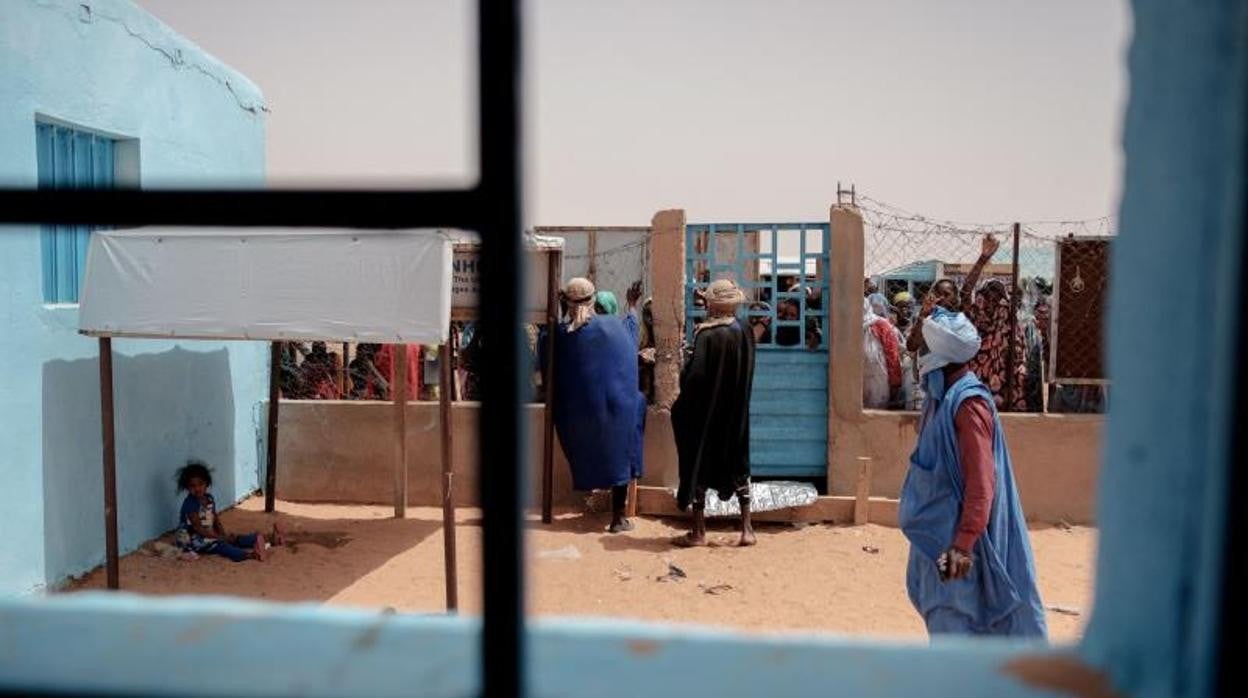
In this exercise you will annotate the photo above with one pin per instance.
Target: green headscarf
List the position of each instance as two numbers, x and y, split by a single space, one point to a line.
607 300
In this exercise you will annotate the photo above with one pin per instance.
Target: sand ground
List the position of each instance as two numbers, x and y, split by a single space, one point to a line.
840 579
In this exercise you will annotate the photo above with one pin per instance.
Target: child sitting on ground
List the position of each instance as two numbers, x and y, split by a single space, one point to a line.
200 530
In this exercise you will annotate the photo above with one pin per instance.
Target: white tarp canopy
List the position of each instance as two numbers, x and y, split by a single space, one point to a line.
269 284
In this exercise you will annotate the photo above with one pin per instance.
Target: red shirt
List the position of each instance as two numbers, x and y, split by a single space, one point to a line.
974 426
887 336
384 361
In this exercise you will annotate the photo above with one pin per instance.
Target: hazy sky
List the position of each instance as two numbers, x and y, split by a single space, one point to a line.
981 110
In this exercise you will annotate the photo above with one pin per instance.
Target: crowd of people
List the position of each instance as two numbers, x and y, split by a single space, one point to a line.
890 371
309 371
312 372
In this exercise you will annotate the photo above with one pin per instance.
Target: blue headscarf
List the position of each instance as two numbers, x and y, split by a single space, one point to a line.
951 339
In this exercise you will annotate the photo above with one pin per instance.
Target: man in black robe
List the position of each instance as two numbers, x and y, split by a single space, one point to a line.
711 418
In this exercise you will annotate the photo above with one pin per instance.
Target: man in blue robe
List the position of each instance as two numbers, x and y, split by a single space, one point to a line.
971 569
599 411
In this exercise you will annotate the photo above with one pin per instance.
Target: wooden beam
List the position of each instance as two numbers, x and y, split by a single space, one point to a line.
448 475
344 384
275 396
399 389
110 462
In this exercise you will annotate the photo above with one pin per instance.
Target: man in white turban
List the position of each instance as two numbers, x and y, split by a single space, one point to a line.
600 413
711 417
971 569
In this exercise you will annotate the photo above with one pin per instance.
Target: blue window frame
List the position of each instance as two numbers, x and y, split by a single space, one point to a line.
69 159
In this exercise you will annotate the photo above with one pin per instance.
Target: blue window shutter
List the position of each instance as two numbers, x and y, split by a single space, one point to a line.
47 236
69 158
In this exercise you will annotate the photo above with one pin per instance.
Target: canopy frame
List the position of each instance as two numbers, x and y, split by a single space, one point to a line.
399 394
554 260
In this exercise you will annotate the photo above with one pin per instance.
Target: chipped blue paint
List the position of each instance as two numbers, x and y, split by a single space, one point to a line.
111 68
218 646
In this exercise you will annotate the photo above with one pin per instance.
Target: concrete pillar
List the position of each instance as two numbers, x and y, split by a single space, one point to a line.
667 274
845 315
845 414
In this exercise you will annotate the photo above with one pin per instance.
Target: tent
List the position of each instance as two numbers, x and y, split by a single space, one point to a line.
270 285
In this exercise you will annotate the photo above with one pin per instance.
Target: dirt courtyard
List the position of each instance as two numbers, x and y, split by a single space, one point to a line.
840 579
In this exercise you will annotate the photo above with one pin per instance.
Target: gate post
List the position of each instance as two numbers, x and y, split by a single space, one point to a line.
846 269
667 273
845 315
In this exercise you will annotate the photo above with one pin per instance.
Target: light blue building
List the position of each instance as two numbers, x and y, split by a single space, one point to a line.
100 93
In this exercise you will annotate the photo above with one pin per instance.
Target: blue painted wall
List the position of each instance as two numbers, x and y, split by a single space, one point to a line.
310 650
108 66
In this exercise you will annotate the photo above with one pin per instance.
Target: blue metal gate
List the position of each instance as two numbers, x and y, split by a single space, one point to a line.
783 270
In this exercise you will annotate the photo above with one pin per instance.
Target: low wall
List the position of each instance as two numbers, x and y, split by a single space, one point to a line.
1056 459
340 451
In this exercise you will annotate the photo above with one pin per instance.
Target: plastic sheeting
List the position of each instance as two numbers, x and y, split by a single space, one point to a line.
764 496
269 284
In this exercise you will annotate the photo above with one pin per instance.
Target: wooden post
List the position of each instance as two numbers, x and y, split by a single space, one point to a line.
110 462
862 499
631 507
275 395
344 384
457 392
548 384
1011 359
448 475
591 244
399 390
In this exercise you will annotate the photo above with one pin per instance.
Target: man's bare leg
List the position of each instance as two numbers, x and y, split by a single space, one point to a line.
696 537
747 529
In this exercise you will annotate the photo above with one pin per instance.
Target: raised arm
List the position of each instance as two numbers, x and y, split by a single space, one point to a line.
988 248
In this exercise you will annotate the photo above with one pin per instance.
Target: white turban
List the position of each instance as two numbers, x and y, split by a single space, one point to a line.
579 294
951 339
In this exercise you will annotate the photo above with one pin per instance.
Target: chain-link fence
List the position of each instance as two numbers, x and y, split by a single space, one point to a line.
614 258
1035 291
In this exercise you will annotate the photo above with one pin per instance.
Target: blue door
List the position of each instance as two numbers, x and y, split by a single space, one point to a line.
783 269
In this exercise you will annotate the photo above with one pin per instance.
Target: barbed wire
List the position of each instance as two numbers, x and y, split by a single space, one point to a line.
885 216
